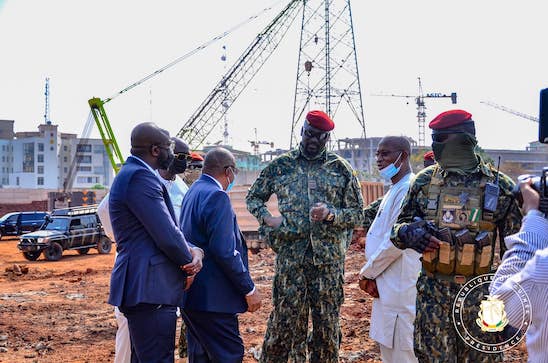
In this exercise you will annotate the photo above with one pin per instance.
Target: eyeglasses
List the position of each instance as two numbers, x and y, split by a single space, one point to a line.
442 137
170 146
318 135
234 169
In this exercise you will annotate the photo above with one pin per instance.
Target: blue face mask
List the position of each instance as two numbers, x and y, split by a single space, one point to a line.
230 183
391 170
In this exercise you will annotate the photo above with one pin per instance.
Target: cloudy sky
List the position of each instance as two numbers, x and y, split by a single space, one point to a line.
484 50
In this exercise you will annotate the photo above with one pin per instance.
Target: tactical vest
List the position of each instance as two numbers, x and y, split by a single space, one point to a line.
465 227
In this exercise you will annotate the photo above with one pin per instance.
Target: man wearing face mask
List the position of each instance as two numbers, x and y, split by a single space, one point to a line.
460 184
390 274
223 289
175 186
320 202
154 259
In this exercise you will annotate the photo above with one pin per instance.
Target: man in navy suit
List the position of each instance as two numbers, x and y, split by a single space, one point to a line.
224 287
154 259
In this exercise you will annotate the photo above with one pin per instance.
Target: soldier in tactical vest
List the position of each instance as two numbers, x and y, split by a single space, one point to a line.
320 202
462 203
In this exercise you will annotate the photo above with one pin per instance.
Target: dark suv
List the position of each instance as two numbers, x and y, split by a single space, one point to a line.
17 223
77 228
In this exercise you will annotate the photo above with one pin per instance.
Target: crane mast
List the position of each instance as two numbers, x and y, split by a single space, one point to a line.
228 89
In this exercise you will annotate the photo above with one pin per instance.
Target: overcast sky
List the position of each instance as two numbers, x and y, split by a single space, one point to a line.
488 50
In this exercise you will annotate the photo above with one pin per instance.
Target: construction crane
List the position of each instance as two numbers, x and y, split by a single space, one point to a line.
421 107
47 119
97 105
256 143
509 110
327 70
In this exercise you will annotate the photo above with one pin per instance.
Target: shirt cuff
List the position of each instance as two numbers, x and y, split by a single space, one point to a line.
251 292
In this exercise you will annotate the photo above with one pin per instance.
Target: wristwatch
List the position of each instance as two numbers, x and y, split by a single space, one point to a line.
330 217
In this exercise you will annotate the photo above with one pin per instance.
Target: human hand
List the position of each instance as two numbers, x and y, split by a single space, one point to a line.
318 212
189 281
416 236
369 286
273 222
195 265
253 301
531 199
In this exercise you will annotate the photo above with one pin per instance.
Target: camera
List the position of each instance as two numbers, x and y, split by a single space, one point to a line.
539 182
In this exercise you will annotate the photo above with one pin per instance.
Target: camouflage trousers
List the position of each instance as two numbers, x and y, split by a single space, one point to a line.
183 343
435 336
300 289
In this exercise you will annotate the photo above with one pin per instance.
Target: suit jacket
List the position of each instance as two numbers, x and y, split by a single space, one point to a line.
150 246
208 222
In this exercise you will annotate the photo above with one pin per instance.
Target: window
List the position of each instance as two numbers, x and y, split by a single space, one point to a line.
40 180
84 168
65 169
17 181
40 169
51 148
65 159
40 146
64 147
84 159
28 158
40 158
3 158
3 147
83 148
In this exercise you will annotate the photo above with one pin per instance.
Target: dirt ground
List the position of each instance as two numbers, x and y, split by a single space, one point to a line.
57 311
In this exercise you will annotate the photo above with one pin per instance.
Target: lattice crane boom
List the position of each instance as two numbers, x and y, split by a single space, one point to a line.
211 111
509 110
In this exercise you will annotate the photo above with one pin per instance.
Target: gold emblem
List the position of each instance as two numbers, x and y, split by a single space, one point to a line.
492 317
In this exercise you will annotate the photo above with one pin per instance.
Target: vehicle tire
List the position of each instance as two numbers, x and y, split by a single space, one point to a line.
53 252
104 246
32 256
83 251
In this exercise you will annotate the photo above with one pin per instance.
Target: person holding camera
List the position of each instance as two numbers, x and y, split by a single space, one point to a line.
456 250
525 263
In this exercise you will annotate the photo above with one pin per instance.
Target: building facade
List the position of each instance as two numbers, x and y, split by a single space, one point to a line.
50 159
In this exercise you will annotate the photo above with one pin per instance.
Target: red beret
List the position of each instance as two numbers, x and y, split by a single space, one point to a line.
449 119
320 120
429 155
196 157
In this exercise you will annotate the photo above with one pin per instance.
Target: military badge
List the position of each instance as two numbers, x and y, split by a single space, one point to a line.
492 317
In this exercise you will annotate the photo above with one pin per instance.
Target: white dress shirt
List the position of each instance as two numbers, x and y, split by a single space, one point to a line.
526 263
177 189
395 272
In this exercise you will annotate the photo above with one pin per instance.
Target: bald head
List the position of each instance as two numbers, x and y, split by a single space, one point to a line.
217 160
145 135
399 143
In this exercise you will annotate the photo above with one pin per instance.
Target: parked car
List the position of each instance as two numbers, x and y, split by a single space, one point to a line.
17 223
77 228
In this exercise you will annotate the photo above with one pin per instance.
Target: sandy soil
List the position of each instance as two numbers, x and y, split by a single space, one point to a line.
57 311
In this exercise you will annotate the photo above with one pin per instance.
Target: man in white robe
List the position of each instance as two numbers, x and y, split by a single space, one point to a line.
390 274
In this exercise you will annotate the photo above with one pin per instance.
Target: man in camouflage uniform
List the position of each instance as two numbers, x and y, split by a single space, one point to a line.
320 202
477 202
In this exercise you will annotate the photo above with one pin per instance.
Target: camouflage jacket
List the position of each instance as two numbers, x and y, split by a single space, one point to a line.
507 217
299 183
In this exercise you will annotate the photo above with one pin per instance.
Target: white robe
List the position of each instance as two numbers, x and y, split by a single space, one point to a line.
395 272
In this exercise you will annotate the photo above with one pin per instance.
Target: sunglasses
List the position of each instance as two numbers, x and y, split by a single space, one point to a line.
183 156
318 135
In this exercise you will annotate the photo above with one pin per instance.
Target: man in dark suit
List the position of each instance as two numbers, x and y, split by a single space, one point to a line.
154 259
224 287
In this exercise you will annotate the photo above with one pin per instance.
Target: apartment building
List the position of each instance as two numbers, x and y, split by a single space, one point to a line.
49 159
